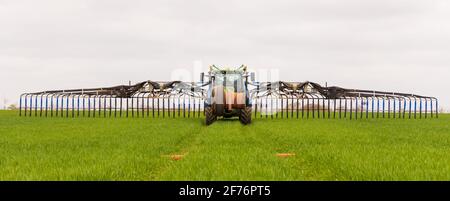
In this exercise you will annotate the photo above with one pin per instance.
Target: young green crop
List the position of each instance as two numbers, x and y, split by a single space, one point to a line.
33 148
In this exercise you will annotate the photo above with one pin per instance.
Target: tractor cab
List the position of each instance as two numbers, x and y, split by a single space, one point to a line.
231 81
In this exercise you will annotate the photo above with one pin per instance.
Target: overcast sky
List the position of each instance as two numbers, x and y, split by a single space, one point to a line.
393 45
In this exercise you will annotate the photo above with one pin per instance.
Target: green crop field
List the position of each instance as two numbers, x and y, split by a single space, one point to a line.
33 148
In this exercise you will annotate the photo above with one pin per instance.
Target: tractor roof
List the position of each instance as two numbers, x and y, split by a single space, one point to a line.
216 70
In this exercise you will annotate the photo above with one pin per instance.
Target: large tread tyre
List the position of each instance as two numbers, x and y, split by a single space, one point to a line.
245 115
210 116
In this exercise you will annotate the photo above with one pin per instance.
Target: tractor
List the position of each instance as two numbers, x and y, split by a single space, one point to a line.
228 94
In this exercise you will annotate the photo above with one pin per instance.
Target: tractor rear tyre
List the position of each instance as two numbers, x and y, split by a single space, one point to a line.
210 116
245 115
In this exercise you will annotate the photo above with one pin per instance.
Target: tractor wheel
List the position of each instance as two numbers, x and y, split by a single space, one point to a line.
210 116
245 115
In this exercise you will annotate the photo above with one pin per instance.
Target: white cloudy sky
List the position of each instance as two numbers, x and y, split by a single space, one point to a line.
394 45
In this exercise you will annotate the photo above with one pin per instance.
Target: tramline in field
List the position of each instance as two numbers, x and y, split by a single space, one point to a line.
227 93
